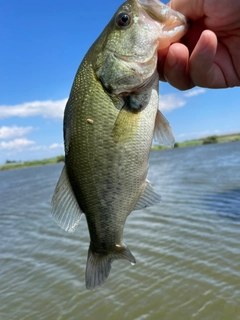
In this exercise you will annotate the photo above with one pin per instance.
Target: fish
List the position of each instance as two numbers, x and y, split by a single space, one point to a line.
110 120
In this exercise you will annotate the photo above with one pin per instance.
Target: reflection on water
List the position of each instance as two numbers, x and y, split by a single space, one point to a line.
187 247
226 203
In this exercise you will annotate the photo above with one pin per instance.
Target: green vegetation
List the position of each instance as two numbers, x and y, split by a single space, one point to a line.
229 138
198 142
156 147
16 165
211 139
189 143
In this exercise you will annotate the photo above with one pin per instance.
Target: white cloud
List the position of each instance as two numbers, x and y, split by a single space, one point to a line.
14 132
169 102
25 144
46 109
194 92
55 109
56 146
196 135
16 144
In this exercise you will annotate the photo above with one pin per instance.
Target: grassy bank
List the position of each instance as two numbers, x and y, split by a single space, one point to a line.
207 140
16 165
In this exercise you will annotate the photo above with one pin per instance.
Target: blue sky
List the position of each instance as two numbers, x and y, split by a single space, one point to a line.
42 45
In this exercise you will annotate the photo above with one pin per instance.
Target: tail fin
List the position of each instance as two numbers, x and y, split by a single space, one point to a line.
99 265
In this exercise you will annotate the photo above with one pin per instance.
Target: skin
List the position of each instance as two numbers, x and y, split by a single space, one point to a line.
209 53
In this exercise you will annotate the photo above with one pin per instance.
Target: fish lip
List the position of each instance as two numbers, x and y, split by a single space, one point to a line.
178 20
178 28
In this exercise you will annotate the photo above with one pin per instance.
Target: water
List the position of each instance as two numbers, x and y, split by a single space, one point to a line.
187 247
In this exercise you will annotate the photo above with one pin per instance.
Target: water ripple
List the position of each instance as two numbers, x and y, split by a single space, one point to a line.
187 247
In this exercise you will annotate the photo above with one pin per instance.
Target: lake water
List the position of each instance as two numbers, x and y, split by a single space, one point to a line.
187 247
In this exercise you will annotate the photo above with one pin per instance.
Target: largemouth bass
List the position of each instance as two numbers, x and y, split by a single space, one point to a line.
109 123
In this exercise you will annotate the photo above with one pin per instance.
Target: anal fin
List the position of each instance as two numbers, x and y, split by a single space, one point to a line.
148 198
65 209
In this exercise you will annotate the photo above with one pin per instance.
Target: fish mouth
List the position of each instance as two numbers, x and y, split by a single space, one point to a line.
173 24
161 12
176 23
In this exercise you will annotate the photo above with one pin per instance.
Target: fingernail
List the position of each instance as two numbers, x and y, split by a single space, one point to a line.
171 59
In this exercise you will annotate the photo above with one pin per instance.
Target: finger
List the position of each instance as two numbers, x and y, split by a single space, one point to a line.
201 63
176 67
160 64
192 9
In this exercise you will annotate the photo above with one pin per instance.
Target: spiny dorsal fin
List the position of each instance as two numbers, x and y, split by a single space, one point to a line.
65 209
148 198
163 132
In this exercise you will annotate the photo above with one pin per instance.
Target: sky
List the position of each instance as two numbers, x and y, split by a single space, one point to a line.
42 45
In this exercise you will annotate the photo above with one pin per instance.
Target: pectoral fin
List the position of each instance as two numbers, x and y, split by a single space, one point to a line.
163 132
65 209
148 198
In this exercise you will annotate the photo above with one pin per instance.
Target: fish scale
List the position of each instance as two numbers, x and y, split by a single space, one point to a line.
109 123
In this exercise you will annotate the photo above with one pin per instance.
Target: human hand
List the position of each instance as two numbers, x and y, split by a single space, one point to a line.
209 55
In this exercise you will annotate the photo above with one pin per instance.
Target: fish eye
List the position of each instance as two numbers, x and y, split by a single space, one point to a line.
123 19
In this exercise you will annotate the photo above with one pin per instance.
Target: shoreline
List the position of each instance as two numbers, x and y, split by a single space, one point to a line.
198 142
10 165
34 163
